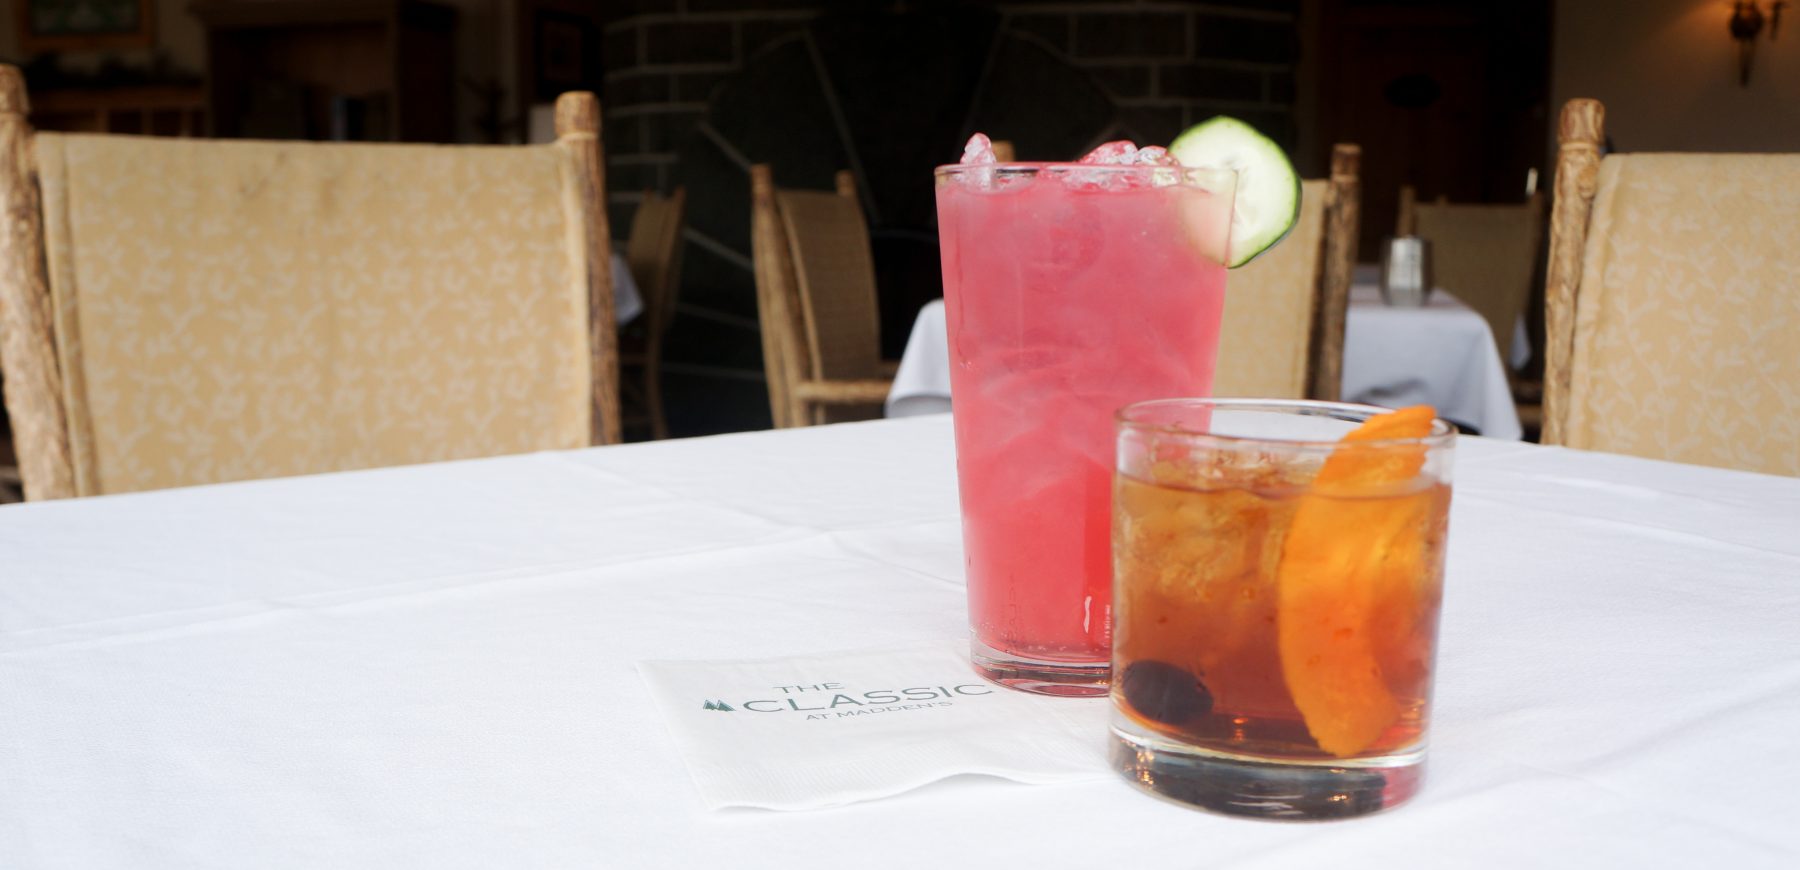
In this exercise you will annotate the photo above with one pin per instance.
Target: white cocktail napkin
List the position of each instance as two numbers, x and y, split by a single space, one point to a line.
823 730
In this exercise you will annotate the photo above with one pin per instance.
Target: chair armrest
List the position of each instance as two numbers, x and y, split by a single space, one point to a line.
857 392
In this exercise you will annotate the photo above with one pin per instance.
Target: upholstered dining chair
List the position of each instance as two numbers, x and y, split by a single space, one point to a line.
1282 335
1484 253
653 253
180 311
815 290
1673 315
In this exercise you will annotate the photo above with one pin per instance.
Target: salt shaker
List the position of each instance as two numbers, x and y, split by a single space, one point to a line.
1406 271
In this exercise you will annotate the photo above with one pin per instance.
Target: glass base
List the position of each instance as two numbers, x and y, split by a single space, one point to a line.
1067 679
1242 786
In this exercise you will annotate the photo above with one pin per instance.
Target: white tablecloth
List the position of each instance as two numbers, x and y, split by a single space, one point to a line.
627 301
1441 354
433 667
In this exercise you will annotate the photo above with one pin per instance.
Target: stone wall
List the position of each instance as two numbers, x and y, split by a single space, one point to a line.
1157 67
1167 65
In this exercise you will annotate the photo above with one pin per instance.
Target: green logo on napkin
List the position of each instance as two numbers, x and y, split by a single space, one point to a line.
878 701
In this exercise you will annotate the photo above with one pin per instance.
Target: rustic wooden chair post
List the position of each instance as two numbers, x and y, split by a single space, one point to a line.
27 336
1578 136
776 301
578 132
1343 206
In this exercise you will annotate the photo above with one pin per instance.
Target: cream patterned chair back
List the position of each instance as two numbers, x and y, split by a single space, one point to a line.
1265 338
1282 332
1675 304
227 310
1483 254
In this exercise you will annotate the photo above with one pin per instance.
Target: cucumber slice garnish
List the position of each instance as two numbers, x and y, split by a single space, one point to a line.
1268 188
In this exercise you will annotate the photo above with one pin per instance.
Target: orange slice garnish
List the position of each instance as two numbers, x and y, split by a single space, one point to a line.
1352 555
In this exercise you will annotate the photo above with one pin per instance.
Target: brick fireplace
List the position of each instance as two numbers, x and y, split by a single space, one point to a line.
698 89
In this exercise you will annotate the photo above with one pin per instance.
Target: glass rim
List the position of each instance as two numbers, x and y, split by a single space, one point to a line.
1035 166
1443 432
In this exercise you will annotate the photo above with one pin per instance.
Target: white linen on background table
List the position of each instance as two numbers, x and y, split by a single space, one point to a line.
628 303
1442 354
1365 283
922 382
433 666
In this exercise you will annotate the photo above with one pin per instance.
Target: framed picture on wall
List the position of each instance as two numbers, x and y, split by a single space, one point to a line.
85 25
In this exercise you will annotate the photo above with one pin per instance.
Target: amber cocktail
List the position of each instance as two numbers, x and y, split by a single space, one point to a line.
1278 568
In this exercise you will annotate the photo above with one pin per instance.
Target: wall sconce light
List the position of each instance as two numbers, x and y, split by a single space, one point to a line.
1746 24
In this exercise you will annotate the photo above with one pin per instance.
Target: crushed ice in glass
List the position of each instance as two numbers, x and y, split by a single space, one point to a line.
980 153
980 150
1124 153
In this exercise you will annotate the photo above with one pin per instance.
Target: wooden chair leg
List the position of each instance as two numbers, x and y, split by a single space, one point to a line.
11 487
659 424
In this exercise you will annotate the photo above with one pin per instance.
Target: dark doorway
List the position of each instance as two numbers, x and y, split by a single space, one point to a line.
1450 96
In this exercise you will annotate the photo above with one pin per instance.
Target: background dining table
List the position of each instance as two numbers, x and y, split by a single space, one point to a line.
628 302
434 666
1441 353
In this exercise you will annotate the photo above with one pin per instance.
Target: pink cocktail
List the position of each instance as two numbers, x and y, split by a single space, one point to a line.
1071 291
